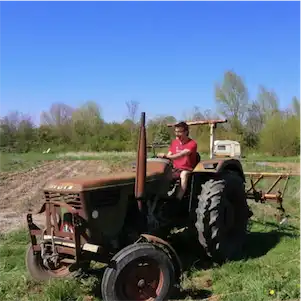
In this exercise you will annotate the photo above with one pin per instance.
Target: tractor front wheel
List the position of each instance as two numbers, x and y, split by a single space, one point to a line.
138 272
222 217
39 271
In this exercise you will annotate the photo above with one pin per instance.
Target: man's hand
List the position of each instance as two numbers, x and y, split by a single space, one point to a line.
161 155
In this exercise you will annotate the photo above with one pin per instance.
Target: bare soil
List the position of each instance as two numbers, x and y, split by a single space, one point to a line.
22 191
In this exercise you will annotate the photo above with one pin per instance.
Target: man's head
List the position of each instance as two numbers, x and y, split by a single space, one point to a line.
181 130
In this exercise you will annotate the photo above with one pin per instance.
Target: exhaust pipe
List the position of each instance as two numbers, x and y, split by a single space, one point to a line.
141 165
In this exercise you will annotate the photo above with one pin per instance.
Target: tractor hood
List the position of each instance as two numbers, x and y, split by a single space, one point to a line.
155 169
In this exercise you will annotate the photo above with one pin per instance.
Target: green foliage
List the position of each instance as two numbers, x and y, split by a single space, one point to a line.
232 98
259 125
281 136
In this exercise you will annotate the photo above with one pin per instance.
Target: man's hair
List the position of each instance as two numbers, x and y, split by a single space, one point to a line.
183 125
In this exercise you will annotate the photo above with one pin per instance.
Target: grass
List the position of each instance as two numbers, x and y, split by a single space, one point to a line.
265 158
15 284
276 270
269 271
16 162
273 265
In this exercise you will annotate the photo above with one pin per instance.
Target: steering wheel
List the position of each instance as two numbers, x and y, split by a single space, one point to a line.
156 157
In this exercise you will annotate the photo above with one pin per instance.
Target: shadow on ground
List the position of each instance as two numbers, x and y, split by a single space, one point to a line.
260 243
193 257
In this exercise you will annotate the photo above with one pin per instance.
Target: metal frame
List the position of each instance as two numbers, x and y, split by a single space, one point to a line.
259 196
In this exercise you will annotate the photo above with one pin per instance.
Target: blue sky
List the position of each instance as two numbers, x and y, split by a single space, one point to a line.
165 55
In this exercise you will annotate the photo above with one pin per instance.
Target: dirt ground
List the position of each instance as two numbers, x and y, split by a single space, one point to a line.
20 191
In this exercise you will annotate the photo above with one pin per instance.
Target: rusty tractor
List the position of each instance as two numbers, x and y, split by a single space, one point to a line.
122 220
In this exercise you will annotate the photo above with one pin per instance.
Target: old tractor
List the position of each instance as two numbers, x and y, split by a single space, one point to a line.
122 220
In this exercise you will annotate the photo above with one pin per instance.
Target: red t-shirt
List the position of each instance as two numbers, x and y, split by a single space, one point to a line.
186 162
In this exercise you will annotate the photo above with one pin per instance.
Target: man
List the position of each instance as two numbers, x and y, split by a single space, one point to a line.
183 153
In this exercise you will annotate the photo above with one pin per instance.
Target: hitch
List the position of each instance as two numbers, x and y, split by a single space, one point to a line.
49 255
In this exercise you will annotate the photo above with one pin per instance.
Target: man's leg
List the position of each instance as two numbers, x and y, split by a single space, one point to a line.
183 183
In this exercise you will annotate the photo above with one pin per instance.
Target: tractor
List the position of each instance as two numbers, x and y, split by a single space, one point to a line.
123 221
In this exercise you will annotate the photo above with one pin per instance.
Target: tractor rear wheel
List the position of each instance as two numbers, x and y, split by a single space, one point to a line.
222 217
138 272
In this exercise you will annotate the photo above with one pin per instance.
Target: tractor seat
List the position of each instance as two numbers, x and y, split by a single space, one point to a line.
198 158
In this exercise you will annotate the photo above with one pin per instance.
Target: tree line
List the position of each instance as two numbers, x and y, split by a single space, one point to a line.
258 124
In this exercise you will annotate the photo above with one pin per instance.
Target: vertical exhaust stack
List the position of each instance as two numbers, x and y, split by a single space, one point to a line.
141 164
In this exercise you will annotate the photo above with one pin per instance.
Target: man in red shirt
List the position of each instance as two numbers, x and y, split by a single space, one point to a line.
183 153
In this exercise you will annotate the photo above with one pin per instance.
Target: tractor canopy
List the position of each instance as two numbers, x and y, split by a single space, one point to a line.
156 170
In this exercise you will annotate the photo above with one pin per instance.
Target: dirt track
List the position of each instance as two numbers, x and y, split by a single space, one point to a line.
20 191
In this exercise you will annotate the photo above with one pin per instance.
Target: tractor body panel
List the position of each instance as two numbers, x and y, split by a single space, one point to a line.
219 165
156 171
105 202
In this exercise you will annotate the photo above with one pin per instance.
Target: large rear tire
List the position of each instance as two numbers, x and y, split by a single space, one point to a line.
222 217
138 272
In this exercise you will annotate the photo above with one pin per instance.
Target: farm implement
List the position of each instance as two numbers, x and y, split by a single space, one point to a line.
123 220
274 193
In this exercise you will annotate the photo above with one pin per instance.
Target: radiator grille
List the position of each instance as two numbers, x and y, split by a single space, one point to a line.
71 199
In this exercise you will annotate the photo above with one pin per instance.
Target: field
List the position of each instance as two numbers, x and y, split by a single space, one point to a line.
269 270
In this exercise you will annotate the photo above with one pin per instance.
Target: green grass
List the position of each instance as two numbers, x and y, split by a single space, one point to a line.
15 283
17 162
265 158
253 279
273 265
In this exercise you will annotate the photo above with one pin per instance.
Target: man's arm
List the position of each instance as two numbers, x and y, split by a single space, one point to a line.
183 153
162 155
192 147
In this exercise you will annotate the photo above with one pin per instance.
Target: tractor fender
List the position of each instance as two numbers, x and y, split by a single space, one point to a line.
167 248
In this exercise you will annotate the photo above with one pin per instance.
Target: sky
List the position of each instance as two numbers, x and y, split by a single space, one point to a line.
166 55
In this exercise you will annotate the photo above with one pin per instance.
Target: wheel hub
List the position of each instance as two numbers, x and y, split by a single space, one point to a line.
141 283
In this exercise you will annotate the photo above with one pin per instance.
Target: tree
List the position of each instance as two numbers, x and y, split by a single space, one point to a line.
255 118
86 122
132 114
232 99
296 106
59 118
58 115
268 101
281 136
157 129
132 110
17 132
